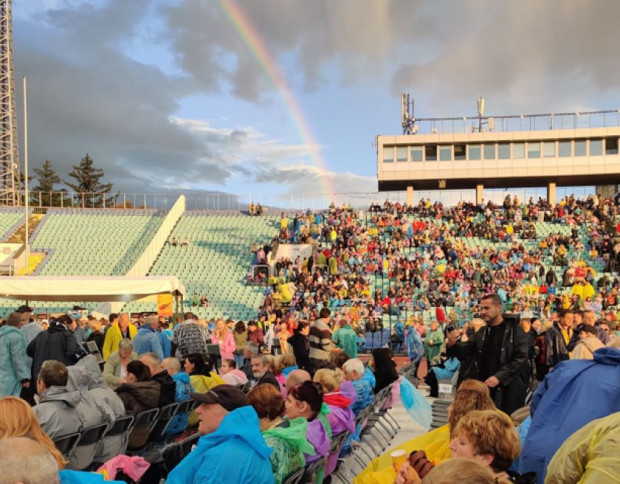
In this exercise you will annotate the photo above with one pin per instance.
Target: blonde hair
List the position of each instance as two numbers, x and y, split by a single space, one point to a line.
330 380
17 419
220 333
471 395
491 432
285 361
95 325
460 469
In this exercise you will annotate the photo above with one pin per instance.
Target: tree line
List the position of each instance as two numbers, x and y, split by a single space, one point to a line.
85 179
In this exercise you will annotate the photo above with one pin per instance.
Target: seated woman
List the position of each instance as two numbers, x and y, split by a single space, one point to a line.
306 400
471 395
140 392
18 420
287 438
341 417
486 436
384 368
284 365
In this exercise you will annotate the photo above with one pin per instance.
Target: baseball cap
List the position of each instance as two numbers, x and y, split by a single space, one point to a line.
24 309
228 396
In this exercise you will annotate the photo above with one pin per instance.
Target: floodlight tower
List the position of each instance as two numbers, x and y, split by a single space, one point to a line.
9 154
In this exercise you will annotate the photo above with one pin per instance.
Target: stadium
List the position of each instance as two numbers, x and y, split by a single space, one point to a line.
462 319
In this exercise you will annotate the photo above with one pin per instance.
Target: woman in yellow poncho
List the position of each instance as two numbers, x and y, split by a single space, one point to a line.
471 395
201 377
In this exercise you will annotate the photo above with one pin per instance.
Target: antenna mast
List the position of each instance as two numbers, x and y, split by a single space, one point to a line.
9 154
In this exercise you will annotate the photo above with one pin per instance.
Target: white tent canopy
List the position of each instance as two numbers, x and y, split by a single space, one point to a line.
105 289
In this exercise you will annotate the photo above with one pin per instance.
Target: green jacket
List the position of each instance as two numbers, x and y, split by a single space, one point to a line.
289 444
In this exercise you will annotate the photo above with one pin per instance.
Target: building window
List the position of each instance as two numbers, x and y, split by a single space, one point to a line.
430 152
611 146
533 150
489 151
580 147
401 154
564 150
459 152
549 149
388 154
596 147
503 151
474 152
416 153
445 153
518 151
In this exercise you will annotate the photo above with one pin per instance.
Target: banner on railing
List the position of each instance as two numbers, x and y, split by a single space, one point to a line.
292 251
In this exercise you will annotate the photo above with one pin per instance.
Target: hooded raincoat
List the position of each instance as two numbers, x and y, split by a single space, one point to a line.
85 377
13 361
289 443
572 395
235 452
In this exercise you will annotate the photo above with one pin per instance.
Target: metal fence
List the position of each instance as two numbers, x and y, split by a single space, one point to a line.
274 204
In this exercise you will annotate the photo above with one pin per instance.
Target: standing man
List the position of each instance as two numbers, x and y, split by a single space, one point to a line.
14 367
147 340
499 353
188 338
345 338
433 342
320 339
558 337
30 328
118 331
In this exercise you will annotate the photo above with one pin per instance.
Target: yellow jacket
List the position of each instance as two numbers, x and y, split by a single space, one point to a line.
435 443
113 337
590 455
202 384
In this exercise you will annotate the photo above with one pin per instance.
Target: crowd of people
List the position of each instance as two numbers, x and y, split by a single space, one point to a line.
518 317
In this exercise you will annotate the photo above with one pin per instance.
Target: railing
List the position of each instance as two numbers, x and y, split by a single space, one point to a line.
225 203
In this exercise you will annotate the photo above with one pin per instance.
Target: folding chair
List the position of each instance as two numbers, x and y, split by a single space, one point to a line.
141 430
166 413
84 452
67 443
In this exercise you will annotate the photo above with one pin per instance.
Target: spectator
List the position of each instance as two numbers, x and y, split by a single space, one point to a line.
455 470
300 345
287 438
30 328
340 417
250 351
139 393
147 339
201 374
79 330
57 343
160 375
345 338
117 331
240 335
572 395
115 367
225 339
443 370
96 334
255 334
183 392
589 455
353 372
295 378
262 373
189 338
86 378
320 339
27 461
14 369
433 342
558 337
588 343
306 400
231 375
60 411
500 352
230 435
384 368
17 419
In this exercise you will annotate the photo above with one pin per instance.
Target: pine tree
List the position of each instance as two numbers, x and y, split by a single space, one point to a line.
45 193
90 192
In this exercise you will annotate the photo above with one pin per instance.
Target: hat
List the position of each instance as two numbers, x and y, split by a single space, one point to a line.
24 309
587 328
228 396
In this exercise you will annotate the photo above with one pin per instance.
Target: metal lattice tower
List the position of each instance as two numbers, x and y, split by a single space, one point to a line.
9 153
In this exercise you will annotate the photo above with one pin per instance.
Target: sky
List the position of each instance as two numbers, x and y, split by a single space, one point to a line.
285 97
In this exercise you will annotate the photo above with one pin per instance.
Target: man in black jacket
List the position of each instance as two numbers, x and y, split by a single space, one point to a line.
167 385
262 373
500 355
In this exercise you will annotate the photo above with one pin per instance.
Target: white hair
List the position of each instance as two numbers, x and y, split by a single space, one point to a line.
354 365
26 460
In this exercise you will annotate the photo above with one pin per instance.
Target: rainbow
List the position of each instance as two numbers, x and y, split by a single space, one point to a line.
247 32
